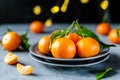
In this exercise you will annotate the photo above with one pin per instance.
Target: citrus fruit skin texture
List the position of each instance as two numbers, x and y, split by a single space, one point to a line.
11 58
11 41
63 48
74 37
37 27
113 36
25 70
43 45
87 47
103 28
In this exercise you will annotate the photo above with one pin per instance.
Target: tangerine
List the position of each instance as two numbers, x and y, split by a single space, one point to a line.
11 41
113 36
74 37
11 58
26 70
43 45
63 48
87 47
103 28
37 27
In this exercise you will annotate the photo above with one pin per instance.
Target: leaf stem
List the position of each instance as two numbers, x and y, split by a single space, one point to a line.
0 41
79 28
105 16
118 31
61 33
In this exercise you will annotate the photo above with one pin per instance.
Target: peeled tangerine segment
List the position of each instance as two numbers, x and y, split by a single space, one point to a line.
11 58
24 69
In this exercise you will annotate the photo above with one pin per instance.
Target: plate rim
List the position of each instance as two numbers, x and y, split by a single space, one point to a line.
67 65
61 59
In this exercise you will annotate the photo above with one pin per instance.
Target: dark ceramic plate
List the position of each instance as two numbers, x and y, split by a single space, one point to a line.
43 61
34 51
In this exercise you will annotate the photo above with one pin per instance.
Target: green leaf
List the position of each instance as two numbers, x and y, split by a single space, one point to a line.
105 16
102 74
104 45
9 30
0 41
24 44
85 32
54 35
69 29
118 31
61 33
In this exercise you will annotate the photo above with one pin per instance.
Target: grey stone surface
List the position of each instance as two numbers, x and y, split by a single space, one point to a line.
45 72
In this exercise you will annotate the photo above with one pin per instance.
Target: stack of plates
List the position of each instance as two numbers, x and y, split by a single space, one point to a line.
36 55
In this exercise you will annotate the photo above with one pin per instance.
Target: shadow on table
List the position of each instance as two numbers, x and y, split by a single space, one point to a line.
47 32
113 62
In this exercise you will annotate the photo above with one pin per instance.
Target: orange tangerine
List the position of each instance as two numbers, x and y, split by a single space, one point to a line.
26 70
11 58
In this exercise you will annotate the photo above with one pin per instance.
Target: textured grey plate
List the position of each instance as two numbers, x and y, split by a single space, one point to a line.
34 51
43 61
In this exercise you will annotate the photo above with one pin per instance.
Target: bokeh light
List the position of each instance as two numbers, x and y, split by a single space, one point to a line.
64 6
48 22
37 10
55 9
84 1
104 4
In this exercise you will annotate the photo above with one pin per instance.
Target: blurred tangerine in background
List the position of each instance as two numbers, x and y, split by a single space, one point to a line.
103 28
37 26
113 36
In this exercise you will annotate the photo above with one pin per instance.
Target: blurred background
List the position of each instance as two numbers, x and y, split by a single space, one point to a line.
87 11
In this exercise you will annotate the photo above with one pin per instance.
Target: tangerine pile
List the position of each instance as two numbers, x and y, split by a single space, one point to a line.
69 46
75 40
